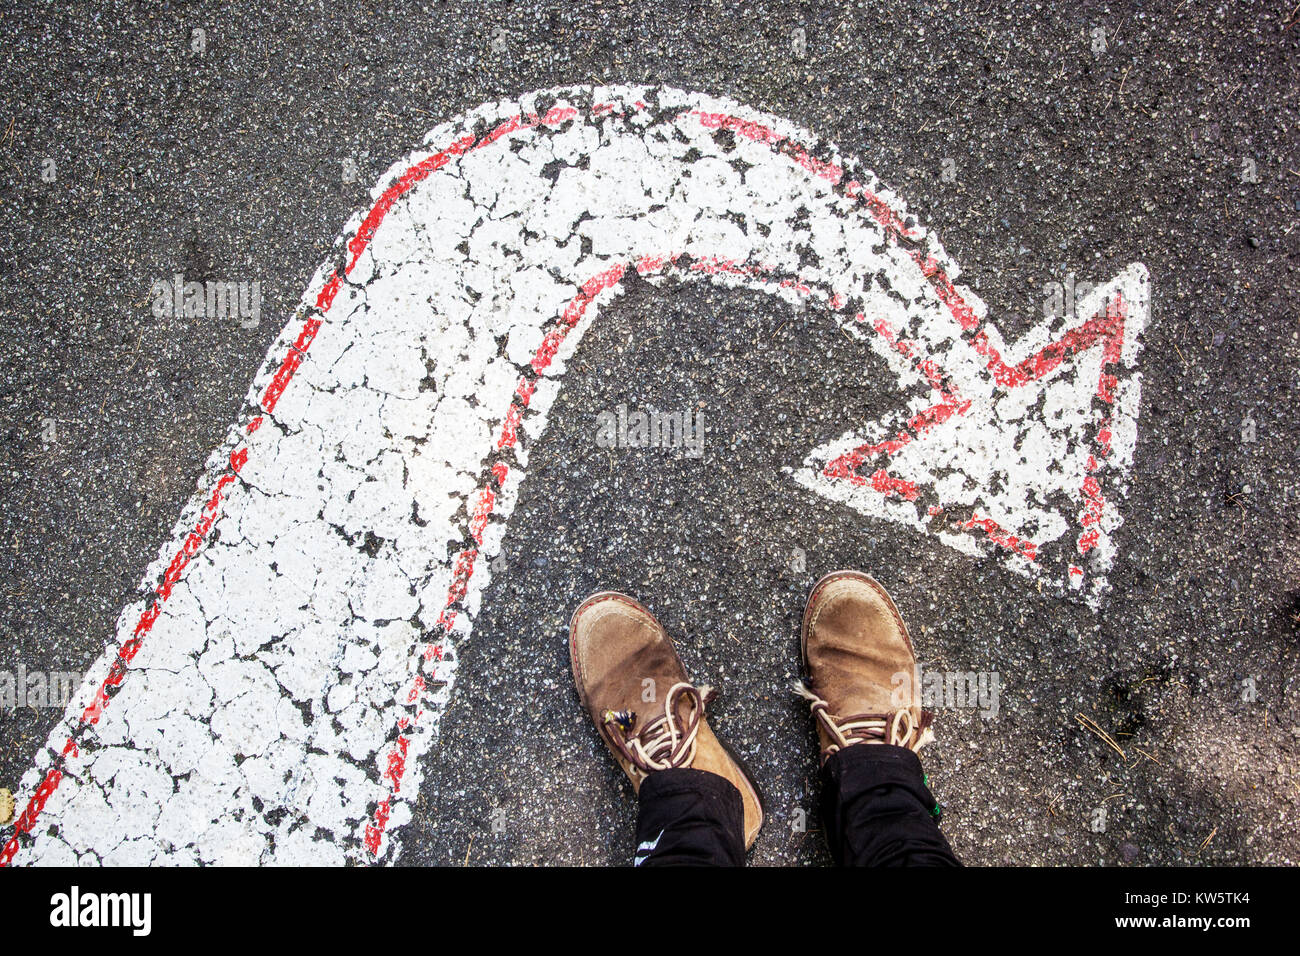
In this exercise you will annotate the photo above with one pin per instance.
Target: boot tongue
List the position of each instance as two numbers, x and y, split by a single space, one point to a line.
652 673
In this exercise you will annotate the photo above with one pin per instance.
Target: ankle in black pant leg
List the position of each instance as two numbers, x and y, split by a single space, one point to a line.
689 818
877 810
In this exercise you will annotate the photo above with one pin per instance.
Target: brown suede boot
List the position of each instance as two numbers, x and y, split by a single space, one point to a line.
617 647
863 681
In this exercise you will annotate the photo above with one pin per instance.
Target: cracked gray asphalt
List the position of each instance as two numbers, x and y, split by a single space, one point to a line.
228 165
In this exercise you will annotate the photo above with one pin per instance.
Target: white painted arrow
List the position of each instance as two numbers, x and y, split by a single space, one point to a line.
270 700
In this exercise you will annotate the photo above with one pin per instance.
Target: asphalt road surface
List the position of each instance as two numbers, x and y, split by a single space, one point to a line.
1048 145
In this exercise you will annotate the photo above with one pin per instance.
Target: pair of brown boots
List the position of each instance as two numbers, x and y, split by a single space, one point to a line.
862 682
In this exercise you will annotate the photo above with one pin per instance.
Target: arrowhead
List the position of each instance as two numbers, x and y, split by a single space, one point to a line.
1019 451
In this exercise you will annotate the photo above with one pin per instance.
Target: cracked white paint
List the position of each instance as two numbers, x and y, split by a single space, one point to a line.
277 707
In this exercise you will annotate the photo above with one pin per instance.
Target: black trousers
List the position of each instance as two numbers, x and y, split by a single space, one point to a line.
875 808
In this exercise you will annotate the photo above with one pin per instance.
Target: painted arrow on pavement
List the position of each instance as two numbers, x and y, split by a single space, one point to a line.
270 698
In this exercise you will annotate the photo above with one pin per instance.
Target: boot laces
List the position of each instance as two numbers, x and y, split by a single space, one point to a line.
899 728
667 741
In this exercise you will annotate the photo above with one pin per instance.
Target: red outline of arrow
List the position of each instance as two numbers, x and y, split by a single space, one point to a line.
1108 329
